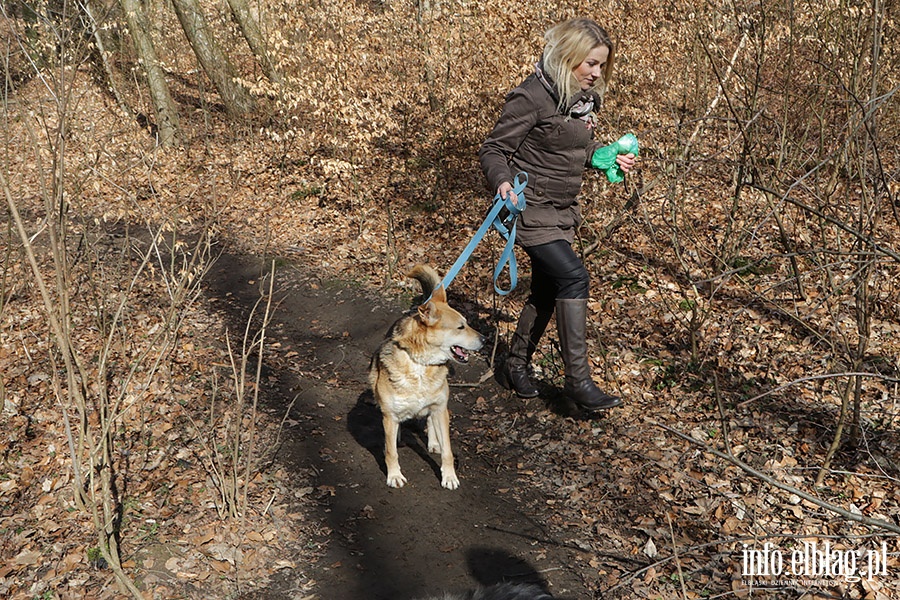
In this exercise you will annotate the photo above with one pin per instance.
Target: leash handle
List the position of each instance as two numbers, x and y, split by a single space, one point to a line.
507 257
505 226
520 182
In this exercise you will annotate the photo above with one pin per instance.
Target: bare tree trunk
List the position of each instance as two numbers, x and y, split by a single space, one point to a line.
215 63
166 112
250 28
102 55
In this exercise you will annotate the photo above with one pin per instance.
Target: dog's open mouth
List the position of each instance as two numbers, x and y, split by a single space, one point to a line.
460 355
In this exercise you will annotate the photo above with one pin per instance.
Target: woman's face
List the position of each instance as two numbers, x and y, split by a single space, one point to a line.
590 71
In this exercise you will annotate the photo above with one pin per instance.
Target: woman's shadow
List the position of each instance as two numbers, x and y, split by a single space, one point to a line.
500 576
494 566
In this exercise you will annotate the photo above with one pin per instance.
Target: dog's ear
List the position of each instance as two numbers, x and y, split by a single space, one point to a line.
428 313
439 294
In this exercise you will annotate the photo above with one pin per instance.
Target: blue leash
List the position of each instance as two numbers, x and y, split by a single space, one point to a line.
506 227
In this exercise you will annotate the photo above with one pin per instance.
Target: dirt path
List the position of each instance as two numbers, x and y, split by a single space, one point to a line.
387 543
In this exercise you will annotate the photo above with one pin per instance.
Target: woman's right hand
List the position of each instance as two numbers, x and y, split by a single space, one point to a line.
506 190
626 161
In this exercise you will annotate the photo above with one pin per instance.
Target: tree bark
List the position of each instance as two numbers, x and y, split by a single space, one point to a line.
102 58
166 112
250 28
215 62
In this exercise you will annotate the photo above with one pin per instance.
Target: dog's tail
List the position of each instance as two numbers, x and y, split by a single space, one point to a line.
430 281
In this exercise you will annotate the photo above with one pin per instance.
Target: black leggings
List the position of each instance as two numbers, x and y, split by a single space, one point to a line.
557 273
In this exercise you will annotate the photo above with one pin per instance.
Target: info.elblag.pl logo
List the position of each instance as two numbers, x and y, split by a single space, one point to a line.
813 560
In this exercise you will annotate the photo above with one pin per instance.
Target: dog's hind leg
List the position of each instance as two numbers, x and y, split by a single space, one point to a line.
439 423
395 478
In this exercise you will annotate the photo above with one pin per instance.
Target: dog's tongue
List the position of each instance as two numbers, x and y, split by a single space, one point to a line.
460 354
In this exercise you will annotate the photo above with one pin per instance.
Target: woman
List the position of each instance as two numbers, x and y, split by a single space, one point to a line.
546 129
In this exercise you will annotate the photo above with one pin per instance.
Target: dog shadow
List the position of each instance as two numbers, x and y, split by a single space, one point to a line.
364 423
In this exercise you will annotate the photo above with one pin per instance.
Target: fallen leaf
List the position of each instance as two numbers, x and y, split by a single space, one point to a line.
222 566
27 558
255 536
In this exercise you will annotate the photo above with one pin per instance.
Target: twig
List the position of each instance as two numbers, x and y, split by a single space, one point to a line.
675 556
251 443
783 486
610 228
838 434
287 413
814 378
474 384
720 91
269 505
868 240
726 435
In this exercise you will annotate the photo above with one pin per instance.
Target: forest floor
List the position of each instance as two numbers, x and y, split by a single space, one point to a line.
650 500
422 539
614 506
573 502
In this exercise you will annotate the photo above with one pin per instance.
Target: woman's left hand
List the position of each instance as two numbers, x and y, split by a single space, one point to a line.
626 161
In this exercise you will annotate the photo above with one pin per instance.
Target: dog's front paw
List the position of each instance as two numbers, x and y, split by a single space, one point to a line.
450 481
396 480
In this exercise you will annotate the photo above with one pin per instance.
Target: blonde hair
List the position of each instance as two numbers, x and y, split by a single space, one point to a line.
566 46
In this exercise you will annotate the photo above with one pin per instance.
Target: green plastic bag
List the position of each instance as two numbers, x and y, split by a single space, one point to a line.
605 158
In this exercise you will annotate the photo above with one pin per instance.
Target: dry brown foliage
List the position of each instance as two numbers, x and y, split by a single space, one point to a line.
747 298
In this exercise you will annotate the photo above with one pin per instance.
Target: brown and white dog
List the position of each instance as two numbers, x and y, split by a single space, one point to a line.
408 373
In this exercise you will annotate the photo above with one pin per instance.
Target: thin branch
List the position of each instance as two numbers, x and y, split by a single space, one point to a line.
815 378
251 443
675 556
720 91
834 221
869 522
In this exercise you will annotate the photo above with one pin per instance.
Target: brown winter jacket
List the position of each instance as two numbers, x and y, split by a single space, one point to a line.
553 149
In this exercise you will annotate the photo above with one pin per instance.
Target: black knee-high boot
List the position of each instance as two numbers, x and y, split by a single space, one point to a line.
529 329
571 324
